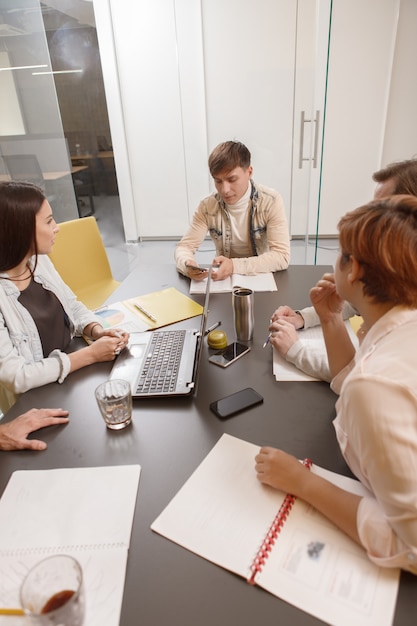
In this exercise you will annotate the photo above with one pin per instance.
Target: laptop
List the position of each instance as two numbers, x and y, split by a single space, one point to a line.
164 362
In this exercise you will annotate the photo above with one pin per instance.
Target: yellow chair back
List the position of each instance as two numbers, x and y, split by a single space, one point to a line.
80 257
356 322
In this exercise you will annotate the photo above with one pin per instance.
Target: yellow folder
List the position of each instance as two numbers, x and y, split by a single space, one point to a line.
160 308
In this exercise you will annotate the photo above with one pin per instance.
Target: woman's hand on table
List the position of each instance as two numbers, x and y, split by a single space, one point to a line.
109 343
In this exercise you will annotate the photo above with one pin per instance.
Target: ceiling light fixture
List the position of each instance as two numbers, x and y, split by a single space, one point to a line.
58 72
21 67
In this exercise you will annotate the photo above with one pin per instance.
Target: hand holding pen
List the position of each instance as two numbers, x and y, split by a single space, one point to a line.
268 339
282 335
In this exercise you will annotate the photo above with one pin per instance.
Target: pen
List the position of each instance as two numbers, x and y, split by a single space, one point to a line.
212 328
144 311
266 342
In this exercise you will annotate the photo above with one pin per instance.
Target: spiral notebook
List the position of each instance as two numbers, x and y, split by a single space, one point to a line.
84 512
280 543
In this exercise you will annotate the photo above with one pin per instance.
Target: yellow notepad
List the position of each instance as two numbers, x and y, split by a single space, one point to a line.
160 308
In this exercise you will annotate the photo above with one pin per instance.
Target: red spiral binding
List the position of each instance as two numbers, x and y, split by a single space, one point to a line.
273 532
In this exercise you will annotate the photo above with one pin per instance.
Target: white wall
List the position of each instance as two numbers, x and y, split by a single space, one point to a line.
249 72
193 73
361 55
159 69
401 131
187 74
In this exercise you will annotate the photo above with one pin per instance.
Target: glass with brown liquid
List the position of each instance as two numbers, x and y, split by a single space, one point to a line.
52 593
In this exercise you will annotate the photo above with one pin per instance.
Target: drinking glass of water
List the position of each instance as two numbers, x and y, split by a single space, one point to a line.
114 399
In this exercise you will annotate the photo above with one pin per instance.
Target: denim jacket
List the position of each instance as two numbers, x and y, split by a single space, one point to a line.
268 234
22 364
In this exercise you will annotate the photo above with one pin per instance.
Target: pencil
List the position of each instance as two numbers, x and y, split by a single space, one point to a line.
12 612
144 311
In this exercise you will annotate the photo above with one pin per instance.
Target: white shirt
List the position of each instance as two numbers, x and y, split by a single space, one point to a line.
376 426
239 225
22 364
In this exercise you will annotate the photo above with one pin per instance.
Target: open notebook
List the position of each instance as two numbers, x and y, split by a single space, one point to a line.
86 512
163 363
273 540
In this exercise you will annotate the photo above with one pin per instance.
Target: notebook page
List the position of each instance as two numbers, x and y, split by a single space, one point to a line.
223 513
225 491
257 282
65 508
319 569
314 340
103 574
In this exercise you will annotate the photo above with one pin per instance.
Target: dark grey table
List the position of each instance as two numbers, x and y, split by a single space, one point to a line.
166 584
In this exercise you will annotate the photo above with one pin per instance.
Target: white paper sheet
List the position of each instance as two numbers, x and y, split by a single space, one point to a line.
256 282
314 340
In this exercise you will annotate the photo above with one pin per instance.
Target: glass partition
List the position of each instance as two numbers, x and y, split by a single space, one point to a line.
32 142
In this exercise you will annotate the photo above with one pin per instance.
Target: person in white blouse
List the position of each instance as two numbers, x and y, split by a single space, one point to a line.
246 221
376 413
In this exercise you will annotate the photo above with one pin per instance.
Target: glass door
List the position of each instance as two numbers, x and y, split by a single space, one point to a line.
32 142
313 32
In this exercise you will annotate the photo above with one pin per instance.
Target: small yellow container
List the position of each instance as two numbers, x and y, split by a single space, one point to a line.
217 339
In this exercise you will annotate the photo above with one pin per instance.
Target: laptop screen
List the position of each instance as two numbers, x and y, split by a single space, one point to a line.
202 331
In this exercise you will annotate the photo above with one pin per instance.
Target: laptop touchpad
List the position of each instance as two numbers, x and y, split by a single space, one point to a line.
137 350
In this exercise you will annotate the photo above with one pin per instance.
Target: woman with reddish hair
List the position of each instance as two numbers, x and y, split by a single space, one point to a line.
376 413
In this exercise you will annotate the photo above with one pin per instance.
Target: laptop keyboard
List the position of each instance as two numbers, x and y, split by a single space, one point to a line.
160 371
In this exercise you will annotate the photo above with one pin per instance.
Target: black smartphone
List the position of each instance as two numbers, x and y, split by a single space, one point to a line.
231 353
198 269
236 402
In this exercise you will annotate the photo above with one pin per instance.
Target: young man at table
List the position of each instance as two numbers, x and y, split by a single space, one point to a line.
376 412
395 179
14 434
245 220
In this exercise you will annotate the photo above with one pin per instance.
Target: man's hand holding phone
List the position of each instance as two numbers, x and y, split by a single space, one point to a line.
195 272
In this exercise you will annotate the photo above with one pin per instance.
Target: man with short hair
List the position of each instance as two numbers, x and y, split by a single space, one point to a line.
245 220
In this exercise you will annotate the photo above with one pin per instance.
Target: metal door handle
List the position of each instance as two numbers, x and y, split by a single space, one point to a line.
303 121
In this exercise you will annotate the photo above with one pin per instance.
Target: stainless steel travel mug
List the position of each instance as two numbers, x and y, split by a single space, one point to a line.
243 314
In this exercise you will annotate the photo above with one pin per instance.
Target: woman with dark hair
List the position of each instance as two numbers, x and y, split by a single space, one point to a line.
39 314
376 413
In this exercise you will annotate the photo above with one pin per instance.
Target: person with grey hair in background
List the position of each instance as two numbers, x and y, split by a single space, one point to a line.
395 179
